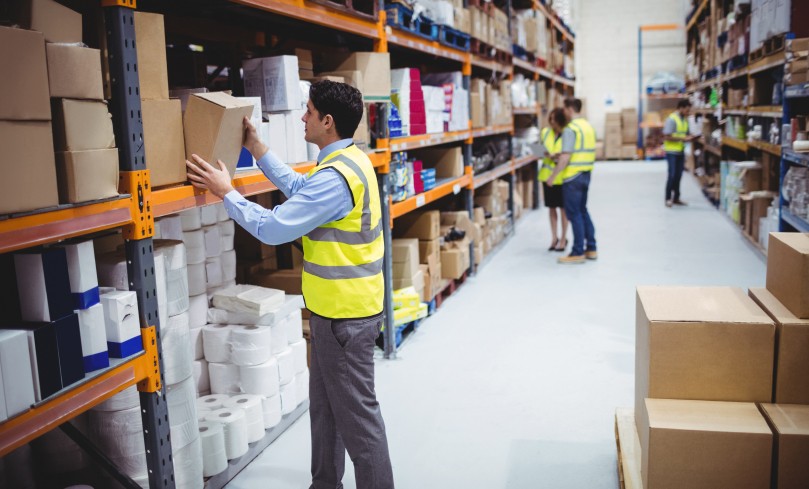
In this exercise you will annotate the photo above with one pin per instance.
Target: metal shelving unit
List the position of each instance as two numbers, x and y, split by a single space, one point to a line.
789 158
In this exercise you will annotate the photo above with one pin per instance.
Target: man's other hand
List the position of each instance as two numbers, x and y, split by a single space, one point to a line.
203 175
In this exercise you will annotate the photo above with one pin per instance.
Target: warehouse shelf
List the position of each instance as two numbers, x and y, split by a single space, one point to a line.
666 96
446 187
554 20
800 224
409 143
738 73
524 161
416 43
78 398
713 149
796 91
795 157
525 65
48 226
526 110
775 111
773 61
490 64
493 174
692 19
704 111
492 131
766 147
316 14
734 111
734 143
564 80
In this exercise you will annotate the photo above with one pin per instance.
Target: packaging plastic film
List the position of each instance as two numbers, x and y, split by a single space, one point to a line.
197 309
214 274
289 397
212 438
171 227
294 325
222 212
229 265
272 411
250 345
227 233
280 340
222 316
191 219
261 380
202 380
208 215
235 427
161 281
302 386
299 355
174 252
202 413
249 298
224 378
194 246
178 357
188 465
286 366
182 404
213 241
197 281
253 413
119 434
126 399
212 402
176 275
216 342
195 337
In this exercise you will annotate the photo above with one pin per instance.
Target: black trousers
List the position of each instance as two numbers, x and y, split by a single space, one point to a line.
676 165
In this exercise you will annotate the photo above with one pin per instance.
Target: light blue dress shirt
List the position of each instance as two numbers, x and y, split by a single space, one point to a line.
312 201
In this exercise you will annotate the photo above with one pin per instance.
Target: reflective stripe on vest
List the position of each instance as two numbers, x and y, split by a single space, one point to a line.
584 154
343 260
553 145
681 131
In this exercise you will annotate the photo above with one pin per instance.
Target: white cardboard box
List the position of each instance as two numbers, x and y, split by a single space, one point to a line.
121 317
275 80
44 285
295 132
81 266
16 369
275 136
93 333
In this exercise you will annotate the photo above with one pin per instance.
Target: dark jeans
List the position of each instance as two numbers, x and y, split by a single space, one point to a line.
343 410
676 165
575 195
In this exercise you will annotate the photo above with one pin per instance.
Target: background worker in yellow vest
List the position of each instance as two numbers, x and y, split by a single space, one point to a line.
336 208
675 131
575 164
551 138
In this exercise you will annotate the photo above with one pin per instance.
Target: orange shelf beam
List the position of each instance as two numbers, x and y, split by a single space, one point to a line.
316 14
735 143
493 174
492 131
409 143
489 64
399 209
523 161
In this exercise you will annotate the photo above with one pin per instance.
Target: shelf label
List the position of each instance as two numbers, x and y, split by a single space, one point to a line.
456 189
420 200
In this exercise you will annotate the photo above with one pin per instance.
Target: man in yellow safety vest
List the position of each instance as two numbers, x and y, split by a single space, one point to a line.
336 208
575 164
675 131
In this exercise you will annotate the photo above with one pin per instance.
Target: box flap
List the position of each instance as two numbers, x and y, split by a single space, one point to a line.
224 100
775 308
798 241
700 304
788 419
726 417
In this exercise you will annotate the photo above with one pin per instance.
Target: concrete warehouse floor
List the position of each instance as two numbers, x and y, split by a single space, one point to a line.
514 382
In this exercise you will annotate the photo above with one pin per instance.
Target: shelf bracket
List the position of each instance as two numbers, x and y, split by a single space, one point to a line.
136 184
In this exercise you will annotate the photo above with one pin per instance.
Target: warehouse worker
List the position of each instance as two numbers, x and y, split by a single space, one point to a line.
551 138
336 208
675 131
575 164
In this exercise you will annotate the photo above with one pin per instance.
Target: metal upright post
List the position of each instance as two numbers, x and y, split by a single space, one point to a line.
126 108
389 336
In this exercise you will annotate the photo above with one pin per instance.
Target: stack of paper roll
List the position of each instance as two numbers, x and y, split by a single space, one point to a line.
119 435
184 425
174 253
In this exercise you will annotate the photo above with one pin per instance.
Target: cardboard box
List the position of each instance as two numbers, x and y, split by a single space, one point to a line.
461 221
275 80
790 423
74 72
57 22
405 257
353 78
788 271
87 175
375 70
709 343
416 281
454 263
25 88
477 110
420 225
152 65
164 141
429 248
214 128
338 79
81 125
448 162
791 347
289 281
29 172
629 152
704 445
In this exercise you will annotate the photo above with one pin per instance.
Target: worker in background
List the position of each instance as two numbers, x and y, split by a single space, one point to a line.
575 164
336 208
675 131
551 138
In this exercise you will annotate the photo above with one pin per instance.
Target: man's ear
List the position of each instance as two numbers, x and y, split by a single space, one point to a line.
328 121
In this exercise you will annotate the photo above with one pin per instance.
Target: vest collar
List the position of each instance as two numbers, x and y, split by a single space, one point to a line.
332 148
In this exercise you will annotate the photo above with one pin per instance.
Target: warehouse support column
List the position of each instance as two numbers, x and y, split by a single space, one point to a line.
389 335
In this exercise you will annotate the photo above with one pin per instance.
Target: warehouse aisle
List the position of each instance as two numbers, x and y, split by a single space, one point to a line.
514 383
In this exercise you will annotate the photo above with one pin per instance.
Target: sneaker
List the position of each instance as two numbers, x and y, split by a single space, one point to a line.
669 203
591 255
571 260
679 202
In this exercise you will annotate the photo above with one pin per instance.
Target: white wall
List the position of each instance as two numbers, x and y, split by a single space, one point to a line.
607 50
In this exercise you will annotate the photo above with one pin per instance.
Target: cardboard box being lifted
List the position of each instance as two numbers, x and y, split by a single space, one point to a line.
29 172
213 127
788 271
74 72
790 423
164 141
24 89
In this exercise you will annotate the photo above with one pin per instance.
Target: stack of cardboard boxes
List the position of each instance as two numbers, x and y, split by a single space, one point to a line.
701 370
490 105
621 135
531 32
796 69
416 255
491 212
613 139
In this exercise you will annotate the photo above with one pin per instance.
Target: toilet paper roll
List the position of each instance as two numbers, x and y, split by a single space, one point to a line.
181 399
224 378
286 366
212 402
194 246
214 273
126 399
229 265
201 413
161 281
178 356
197 281
227 233
197 310
222 214
171 227
261 380
195 337
209 215
216 342
294 325
253 414
201 377
177 291
235 427
302 386
250 345
280 340
173 251
191 219
214 457
119 435
188 465
281 315
272 411
213 241
289 397
299 355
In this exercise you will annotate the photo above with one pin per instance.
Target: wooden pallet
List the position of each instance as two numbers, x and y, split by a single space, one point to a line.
483 5
770 47
449 289
628 444
488 51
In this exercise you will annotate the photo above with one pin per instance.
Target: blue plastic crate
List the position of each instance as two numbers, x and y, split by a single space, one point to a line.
402 18
454 38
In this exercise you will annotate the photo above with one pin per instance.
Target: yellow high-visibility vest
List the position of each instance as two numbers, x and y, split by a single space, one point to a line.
584 155
342 260
553 145
682 131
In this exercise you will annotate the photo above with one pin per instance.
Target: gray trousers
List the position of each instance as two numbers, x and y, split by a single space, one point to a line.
343 409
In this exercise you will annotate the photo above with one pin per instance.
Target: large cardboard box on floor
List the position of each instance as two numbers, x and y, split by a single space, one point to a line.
706 343
629 126
152 65
74 72
788 271
629 152
57 22
87 175
791 347
164 141
29 170
704 445
24 91
790 423
81 125
420 225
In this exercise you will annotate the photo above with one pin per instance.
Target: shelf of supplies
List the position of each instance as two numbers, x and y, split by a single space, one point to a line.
766 147
494 174
526 110
713 149
409 143
490 64
492 131
666 96
416 43
316 14
739 73
800 90
63 222
564 80
78 398
651 125
525 65
554 20
796 222
734 111
524 161
775 111
768 63
447 187
795 157
704 111
692 21
734 143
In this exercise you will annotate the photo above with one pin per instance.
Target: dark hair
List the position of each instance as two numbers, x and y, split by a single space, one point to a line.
683 104
340 100
573 103
558 116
